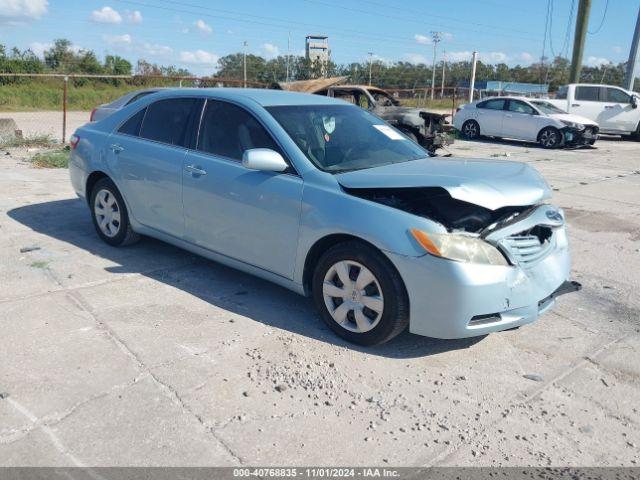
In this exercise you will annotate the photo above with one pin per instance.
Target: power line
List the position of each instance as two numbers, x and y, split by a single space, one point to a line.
604 15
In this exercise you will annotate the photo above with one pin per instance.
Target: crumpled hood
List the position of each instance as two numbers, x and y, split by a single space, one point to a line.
570 117
489 184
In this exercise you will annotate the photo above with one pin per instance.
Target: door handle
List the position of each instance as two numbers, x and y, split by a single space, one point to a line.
575 104
115 148
508 115
609 107
195 170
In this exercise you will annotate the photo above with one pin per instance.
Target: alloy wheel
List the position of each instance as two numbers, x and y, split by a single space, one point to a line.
353 296
549 138
470 130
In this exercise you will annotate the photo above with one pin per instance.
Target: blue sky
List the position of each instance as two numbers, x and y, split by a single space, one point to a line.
194 33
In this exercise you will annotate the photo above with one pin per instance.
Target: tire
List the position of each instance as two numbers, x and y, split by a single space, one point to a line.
382 289
550 137
470 130
113 227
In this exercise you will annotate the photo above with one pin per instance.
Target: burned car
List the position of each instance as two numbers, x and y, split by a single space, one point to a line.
426 128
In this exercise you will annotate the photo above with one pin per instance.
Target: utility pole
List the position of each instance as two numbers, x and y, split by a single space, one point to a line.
244 63
582 22
370 63
472 83
633 57
288 54
435 38
444 65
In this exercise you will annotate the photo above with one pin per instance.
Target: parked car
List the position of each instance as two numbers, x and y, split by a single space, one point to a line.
525 119
106 109
613 108
326 199
425 128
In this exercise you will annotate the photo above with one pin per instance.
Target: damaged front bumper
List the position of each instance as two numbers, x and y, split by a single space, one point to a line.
572 137
450 299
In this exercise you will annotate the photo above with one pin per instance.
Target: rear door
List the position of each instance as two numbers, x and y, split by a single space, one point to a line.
586 102
619 114
490 116
148 151
521 121
249 215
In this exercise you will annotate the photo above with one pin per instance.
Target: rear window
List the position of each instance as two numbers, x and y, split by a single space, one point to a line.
132 126
167 120
589 94
562 93
495 104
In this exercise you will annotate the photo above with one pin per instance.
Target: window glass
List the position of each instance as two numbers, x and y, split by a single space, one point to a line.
520 107
166 120
132 126
617 96
562 93
140 95
228 130
495 104
339 138
590 94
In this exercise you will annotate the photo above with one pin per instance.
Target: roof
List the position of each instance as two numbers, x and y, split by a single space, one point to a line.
264 97
311 86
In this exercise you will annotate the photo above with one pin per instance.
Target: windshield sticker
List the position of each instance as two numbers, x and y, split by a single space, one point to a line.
329 124
389 132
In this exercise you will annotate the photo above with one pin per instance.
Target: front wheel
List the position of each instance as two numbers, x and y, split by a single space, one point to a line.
471 129
550 137
359 294
109 214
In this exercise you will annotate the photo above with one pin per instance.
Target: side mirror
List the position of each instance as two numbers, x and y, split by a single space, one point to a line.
263 159
634 101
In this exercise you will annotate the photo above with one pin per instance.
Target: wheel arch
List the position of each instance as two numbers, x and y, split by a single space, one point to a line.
92 179
319 247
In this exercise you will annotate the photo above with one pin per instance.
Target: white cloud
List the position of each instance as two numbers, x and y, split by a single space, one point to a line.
597 61
526 57
20 11
203 27
488 57
106 15
447 36
134 17
617 49
269 50
155 50
117 39
40 47
414 58
422 39
198 57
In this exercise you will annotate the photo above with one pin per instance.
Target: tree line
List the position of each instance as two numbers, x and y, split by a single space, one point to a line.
61 57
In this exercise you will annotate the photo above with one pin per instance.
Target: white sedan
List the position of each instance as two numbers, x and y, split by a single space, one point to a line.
531 120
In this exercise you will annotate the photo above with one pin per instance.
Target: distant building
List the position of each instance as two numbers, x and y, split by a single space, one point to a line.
317 48
494 87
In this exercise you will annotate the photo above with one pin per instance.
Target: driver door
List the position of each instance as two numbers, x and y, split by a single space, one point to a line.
248 215
619 114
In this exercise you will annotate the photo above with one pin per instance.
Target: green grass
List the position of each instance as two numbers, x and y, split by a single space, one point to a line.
40 264
47 95
33 141
436 103
58 158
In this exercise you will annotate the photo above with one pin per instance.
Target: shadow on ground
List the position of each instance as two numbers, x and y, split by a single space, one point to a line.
69 221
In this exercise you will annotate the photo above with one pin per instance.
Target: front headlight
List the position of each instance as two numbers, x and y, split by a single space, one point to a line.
459 247
574 125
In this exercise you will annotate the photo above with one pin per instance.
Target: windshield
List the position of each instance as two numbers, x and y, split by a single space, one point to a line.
546 107
339 138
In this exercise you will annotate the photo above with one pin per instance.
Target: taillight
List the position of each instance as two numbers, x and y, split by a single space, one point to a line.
92 114
74 140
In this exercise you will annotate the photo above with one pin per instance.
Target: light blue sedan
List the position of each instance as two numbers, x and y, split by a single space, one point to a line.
326 199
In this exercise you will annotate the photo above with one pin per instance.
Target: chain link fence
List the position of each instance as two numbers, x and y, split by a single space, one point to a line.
48 108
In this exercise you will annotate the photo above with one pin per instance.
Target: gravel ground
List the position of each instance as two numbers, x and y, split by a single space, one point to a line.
149 355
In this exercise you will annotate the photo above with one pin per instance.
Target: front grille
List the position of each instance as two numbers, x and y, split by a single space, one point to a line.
530 247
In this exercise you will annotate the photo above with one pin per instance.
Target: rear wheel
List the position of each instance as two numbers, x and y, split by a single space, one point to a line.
550 137
359 294
109 214
471 129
